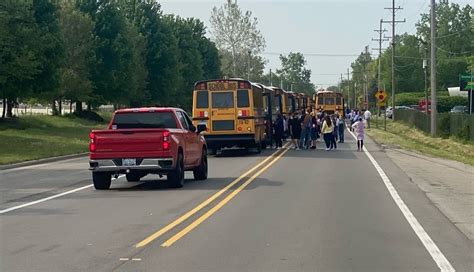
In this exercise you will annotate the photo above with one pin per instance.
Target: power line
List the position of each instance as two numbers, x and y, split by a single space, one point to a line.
313 54
454 53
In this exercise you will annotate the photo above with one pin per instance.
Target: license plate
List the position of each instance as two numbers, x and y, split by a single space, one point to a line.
129 162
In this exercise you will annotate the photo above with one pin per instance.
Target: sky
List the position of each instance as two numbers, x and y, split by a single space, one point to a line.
313 27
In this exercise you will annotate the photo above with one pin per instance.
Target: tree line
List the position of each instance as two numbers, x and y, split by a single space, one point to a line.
125 53
455 55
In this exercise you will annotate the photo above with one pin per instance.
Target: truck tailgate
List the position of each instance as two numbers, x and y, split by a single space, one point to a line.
128 140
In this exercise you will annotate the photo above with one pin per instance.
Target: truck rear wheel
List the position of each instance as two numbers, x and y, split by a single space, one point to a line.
101 180
200 172
176 177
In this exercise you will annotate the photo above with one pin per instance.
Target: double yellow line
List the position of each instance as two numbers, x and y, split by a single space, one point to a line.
272 158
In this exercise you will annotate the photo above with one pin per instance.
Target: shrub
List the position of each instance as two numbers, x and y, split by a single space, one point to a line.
89 115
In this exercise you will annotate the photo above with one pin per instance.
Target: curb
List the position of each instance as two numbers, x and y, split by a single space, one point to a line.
41 161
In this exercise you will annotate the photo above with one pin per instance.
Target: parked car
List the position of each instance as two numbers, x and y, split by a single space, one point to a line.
146 141
459 109
389 111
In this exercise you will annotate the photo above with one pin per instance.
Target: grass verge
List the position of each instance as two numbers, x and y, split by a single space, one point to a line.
36 137
413 139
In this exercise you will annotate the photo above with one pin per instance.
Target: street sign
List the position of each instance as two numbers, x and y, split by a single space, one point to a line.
466 82
380 95
380 103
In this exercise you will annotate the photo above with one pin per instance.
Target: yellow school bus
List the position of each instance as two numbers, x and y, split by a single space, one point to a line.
270 113
303 102
283 101
329 102
233 112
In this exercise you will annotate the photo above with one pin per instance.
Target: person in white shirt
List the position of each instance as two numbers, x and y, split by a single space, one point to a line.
367 116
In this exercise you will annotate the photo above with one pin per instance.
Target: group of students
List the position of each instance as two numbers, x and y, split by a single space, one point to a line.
305 128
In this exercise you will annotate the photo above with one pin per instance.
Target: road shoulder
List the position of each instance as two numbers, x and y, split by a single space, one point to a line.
448 184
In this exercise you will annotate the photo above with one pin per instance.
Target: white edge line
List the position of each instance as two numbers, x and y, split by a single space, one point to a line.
431 247
47 198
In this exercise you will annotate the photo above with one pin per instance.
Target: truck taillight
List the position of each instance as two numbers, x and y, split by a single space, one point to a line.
166 140
92 142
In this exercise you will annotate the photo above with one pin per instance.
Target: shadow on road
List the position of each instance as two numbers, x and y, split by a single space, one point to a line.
212 184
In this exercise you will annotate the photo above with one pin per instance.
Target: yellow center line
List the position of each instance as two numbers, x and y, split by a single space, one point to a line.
190 213
214 209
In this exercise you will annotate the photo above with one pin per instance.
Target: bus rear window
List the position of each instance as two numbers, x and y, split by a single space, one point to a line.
243 99
222 99
202 99
144 120
338 101
329 100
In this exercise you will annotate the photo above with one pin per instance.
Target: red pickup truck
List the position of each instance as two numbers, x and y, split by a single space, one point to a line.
146 141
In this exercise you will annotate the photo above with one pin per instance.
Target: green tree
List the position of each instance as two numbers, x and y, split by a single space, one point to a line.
77 35
187 32
113 75
454 40
19 62
293 73
46 83
161 51
238 39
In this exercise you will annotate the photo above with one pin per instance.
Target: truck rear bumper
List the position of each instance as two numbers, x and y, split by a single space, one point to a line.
158 165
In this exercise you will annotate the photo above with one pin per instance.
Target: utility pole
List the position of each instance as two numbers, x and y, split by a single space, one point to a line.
380 40
271 77
348 88
248 65
434 110
379 73
366 78
394 11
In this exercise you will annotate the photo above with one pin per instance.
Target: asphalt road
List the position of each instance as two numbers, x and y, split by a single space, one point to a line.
294 211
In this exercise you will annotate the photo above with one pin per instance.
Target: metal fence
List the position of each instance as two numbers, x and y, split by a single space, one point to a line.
449 124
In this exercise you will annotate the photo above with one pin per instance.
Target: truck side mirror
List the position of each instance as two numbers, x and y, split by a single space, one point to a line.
201 128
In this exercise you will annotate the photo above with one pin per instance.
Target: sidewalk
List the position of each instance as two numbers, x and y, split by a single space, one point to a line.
448 184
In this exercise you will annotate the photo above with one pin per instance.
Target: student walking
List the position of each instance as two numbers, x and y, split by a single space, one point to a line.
367 115
279 131
359 127
314 130
295 130
334 133
306 125
327 131
340 127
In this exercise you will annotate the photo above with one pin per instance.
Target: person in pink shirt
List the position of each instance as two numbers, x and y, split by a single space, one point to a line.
359 127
